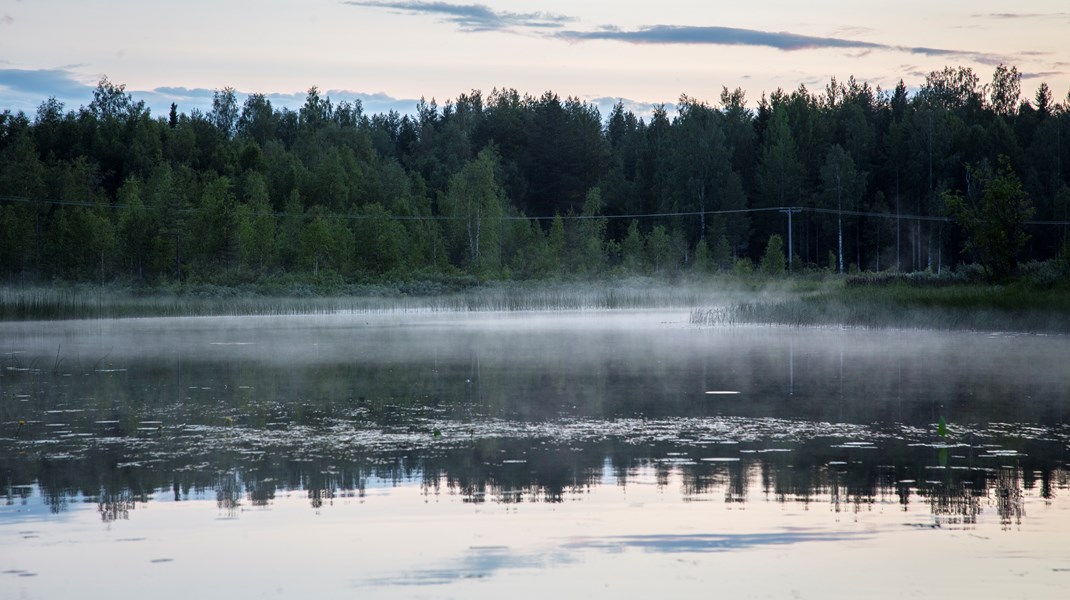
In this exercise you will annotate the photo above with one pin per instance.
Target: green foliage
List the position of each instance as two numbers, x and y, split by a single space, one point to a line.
17 224
914 301
250 192
632 249
773 260
380 242
589 256
721 254
555 243
660 249
291 225
475 204
701 262
101 237
995 226
213 223
780 171
326 244
842 185
255 226
742 267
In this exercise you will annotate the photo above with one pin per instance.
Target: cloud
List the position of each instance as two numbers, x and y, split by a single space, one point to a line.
1043 74
732 36
42 82
474 17
780 40
7 20
479 17
721 36
159 99
985 59
851 30
25 89
1012 16
644 110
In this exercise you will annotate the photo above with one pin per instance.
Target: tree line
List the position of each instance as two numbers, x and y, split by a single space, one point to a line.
511 186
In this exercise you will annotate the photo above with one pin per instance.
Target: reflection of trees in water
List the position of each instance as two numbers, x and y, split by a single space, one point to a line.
509 470
1009 502
318 496
954 505
957 501
513 471
228 493
732 478
115 505
260 491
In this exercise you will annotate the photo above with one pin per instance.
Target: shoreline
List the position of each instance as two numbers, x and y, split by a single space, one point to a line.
817 300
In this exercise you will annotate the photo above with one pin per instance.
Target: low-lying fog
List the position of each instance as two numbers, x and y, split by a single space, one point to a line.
539 365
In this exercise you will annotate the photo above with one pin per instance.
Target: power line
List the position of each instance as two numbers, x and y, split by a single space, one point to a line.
567 217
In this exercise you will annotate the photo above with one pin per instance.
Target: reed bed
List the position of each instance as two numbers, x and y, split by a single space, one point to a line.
963 307
714 302
42 303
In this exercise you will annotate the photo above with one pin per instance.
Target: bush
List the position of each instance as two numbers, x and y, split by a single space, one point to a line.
773 260
743 267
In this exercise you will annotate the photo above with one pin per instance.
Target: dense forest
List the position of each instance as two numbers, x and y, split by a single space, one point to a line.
505 186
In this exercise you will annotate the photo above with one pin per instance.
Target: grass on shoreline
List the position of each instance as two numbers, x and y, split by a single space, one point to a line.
903 302
963 306
89 302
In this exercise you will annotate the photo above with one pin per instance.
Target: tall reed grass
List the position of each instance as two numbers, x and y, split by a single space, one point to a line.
717 301
44 303
958 307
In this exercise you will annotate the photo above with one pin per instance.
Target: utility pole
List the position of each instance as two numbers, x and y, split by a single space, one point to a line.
790 250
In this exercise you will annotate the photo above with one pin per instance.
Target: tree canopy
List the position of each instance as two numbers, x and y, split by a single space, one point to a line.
505 185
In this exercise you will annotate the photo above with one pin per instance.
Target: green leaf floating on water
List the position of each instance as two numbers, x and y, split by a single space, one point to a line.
941 428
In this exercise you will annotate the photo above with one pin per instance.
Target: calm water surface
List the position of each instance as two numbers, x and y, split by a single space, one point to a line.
483 455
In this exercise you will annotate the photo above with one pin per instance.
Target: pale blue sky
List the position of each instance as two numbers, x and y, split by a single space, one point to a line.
391 53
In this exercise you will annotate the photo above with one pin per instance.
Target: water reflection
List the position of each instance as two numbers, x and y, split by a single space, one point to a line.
513 411
818 469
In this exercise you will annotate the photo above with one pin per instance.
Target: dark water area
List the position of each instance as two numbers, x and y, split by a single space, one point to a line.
102 419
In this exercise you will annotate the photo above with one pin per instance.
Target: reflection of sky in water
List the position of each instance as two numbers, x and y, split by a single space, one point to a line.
486 561
478 562
409 541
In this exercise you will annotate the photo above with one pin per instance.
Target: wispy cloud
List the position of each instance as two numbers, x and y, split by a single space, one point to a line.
479 17
1011 16
1043 74
733 36
853 30
474 17
721 36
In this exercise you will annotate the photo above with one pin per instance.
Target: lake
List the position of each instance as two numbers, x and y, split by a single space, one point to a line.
479 455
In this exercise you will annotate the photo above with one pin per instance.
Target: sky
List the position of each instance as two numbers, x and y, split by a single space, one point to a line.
389 54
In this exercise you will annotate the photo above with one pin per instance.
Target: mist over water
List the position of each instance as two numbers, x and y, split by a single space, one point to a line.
605 419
